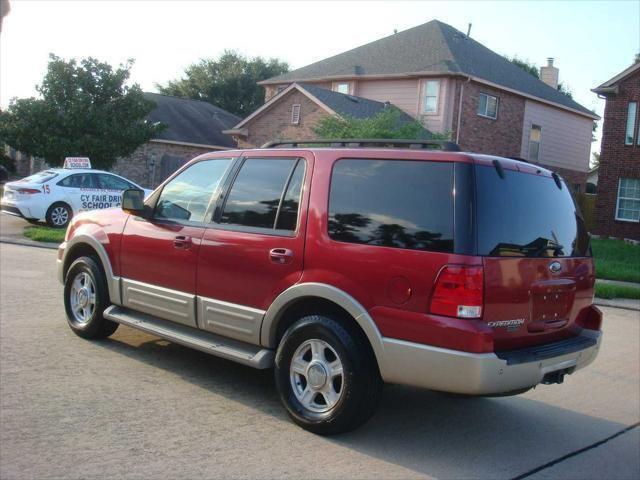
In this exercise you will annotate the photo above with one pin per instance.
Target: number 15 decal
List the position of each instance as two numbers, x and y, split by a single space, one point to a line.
46 189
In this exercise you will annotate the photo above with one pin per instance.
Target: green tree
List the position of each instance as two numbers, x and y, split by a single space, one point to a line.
229 82
525 65
386 124
85 109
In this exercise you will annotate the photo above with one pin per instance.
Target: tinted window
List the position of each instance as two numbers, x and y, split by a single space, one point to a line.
111 182
255 195
79 180
527 215
288 216
392 203
187 195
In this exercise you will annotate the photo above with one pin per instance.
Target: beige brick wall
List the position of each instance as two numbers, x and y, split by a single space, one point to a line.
275 122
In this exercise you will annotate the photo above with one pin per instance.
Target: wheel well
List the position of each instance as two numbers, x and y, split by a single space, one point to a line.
319 306
81 250
60 202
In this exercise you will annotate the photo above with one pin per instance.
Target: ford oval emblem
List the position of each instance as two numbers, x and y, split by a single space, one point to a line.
555 267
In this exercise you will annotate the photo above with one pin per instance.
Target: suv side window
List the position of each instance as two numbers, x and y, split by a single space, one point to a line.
265 194
186 197
111 182
79 180
392 203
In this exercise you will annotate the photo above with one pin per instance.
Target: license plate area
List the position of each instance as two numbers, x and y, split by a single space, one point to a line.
550 310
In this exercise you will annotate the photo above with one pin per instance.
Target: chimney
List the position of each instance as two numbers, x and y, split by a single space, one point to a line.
549 74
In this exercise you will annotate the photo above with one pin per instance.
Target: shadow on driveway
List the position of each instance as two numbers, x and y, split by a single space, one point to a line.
432 433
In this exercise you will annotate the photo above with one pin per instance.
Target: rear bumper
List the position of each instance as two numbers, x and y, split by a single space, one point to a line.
485 373
19 211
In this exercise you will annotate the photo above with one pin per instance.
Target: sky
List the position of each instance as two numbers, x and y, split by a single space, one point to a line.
591 41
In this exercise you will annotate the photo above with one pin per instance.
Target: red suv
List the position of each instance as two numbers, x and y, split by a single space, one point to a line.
345 267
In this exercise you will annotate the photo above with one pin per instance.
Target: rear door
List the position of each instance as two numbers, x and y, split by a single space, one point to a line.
81 191
539 275
254 248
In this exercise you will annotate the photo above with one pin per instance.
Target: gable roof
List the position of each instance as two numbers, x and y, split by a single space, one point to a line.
191 121
433 48
334 103
610 86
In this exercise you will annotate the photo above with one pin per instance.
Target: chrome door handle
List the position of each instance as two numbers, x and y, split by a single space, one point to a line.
182 241
281 256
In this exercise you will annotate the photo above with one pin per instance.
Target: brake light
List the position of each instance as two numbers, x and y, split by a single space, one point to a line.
28 191
458 292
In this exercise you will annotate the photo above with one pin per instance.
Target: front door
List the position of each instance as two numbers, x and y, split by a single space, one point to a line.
254 248
159 255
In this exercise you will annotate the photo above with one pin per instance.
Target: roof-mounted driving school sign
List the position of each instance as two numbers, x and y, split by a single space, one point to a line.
77 162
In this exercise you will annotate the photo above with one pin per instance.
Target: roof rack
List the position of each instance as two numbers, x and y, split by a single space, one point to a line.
443 145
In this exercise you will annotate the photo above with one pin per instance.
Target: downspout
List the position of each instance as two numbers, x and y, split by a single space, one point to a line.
460 110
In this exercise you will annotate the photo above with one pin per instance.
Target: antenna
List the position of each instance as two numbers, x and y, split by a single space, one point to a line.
469 29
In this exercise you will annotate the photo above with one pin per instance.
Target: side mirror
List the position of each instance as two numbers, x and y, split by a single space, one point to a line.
133 201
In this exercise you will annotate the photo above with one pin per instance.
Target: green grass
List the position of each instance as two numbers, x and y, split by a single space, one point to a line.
616 291
616 260
45 234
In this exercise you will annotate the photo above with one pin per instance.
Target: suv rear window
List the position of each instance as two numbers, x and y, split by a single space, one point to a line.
392 203
525 215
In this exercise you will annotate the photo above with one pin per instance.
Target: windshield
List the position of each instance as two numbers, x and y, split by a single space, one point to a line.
525 215
40 177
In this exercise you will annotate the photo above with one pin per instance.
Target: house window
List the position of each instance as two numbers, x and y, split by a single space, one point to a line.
488 106
280 88
431 91
631 123
295 114
628 204
534 142
342 87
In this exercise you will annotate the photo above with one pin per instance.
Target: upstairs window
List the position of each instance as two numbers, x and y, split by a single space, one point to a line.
534 142
431 93
628 203
488 106
631 123
342 87
295 114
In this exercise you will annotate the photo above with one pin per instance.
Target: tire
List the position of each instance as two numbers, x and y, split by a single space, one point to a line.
59 215
85 281
319 345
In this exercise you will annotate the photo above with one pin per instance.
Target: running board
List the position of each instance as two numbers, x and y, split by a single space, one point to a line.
251 355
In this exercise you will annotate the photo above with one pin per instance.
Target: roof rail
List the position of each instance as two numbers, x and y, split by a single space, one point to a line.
443 145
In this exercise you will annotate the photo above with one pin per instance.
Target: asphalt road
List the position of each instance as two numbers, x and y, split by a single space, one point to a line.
134 406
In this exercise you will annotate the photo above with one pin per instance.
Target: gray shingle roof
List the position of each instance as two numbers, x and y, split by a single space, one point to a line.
350 105
192 121
433 47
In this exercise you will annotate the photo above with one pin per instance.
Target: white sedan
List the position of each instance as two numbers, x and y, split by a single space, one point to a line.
56 194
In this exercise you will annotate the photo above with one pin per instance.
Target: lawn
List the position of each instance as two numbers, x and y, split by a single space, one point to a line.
616 260
45 234
616 291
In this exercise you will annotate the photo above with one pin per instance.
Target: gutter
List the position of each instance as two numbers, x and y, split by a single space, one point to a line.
460 110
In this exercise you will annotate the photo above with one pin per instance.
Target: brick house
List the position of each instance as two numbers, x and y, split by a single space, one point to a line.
618 201
294 112
193 127
454 85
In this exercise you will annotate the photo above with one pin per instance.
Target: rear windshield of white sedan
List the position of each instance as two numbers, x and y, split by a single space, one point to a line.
40 177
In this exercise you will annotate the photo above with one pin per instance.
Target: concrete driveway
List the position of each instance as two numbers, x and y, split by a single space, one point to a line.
134 406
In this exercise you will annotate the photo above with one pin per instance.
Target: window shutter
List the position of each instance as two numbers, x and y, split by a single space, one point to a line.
295 114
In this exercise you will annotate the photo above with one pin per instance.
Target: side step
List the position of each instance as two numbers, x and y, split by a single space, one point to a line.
251 355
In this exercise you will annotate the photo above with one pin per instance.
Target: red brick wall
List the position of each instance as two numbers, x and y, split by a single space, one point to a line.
275 122
502 136
617 160
137 166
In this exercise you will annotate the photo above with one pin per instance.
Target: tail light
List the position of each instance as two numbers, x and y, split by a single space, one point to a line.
28 191
458 292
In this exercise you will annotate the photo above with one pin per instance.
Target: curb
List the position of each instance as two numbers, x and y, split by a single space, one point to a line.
625 304
28 243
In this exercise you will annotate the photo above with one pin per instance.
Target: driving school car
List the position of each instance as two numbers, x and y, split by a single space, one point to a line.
57 194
